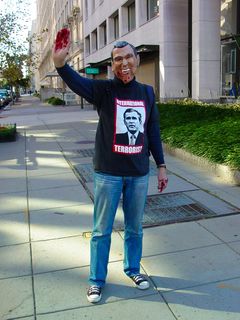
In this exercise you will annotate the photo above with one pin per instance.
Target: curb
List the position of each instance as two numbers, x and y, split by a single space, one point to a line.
224 172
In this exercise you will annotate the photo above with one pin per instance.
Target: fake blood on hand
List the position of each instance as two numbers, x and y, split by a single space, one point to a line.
62 39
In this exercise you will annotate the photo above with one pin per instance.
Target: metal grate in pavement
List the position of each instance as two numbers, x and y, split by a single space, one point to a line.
175 207
84 153
170 208
85 142
160 209
86 172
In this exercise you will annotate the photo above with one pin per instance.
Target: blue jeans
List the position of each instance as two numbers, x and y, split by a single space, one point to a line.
107 193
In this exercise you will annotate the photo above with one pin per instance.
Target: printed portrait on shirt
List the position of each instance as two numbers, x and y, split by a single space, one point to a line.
129 126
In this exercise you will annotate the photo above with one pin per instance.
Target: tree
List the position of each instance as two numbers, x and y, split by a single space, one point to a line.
34 40
14 19
13 43
24 82
7 43
12 71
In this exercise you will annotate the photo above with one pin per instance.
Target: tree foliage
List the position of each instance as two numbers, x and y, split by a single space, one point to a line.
12 71
13 42
34 55
7 42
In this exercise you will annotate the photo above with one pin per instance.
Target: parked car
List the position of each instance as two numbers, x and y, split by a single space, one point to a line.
4 98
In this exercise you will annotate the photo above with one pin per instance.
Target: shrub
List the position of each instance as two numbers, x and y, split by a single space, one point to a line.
8 132
55 101
207 130
36 95
49 100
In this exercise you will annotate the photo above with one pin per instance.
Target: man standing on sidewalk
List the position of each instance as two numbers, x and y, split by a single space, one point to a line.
120 168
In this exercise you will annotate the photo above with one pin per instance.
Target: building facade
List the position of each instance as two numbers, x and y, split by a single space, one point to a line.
33 49
188 48
53 15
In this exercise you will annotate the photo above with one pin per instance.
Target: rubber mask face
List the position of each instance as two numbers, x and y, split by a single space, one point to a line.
125 63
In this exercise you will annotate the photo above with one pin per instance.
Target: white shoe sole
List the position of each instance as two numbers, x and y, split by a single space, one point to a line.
94 298
144 285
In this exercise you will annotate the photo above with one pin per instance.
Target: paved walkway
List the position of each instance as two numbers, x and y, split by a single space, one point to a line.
46 218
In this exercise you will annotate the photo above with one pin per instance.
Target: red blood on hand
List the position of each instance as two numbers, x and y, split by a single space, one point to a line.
161 186
62 39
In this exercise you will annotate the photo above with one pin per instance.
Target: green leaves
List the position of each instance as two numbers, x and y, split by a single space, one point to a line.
55 101
8 132
12 71
13 21
210 131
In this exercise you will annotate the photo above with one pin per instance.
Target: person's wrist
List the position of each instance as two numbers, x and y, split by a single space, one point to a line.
162 165
59 64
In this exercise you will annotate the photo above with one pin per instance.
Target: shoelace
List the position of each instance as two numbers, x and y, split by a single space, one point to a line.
138 278
94 290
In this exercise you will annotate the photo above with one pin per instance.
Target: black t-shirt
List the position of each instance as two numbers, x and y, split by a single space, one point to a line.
128 128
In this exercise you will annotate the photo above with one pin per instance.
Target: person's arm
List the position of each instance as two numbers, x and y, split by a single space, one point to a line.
80 85
155 147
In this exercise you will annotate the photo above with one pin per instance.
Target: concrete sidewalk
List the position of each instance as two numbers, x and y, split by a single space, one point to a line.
46 218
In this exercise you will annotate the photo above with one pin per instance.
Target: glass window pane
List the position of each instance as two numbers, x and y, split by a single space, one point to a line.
152 8
131 17
116 27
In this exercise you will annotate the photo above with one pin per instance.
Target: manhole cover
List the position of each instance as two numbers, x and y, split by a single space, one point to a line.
170 208
85 171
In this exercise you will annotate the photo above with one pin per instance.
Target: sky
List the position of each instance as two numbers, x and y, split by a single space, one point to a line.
30 6
30 13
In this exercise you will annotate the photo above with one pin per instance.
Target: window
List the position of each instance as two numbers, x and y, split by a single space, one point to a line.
116 26
113 27
87 45
93 5
131 17
86 8
152 8
65 12
228 65
94 41
69 7
233 57
231 61
103 34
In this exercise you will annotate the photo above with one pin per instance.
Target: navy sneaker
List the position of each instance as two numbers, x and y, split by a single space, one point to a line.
94 294
140 281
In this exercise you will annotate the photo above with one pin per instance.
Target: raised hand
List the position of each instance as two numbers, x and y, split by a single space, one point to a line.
61 47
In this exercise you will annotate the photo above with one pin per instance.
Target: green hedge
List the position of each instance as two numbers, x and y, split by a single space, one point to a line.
55 101
37 95
207 130
8 132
